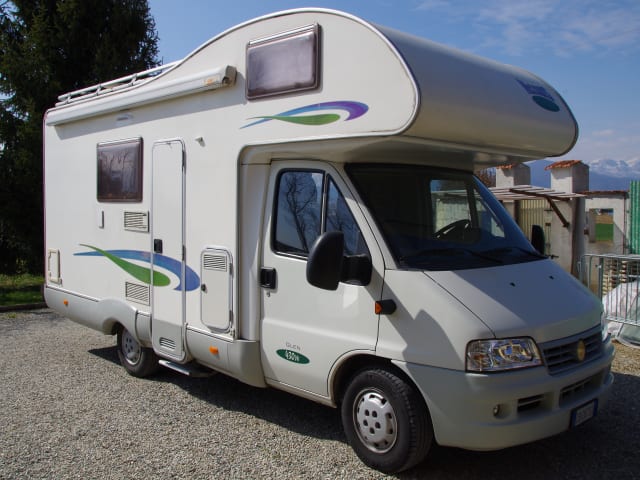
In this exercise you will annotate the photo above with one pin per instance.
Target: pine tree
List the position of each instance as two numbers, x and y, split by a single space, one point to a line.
49 47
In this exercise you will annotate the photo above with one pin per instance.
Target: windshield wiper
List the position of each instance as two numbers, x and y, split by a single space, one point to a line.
531 253
448 251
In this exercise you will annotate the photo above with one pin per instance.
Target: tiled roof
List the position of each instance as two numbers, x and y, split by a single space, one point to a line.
528 192
605 193
563 164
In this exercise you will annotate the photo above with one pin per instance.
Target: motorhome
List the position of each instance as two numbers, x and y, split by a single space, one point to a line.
294 205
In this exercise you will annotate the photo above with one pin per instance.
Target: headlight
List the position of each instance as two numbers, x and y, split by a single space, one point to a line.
604 326
502 354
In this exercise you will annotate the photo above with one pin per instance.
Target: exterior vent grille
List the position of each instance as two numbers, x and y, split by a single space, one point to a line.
214 262
563 355
137 293
529 403
136 221
167 343
581 388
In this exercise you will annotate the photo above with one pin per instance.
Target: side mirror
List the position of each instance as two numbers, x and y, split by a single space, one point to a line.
324 265
537 238
357 268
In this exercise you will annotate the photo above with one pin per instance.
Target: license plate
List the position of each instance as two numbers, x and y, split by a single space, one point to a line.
585 412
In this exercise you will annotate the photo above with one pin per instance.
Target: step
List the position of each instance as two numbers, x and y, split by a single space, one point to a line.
189 369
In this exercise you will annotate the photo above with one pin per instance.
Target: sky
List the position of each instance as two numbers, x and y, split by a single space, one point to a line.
588 50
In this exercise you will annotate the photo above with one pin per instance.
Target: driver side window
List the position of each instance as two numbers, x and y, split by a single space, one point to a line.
309 203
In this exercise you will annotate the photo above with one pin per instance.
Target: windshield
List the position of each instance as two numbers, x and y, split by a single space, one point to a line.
439 220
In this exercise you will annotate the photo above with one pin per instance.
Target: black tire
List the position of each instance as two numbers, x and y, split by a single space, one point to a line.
386 421
137 360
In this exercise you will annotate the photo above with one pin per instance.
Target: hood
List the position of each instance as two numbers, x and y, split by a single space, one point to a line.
535 299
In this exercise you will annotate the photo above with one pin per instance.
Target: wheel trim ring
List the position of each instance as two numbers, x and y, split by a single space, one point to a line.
374 420
130 348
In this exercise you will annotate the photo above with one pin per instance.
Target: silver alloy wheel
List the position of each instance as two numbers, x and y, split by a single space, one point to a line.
375 421
130 348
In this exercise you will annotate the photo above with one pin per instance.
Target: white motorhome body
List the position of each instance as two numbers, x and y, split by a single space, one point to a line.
293 204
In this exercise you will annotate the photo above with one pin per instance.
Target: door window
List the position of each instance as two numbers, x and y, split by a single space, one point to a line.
309 203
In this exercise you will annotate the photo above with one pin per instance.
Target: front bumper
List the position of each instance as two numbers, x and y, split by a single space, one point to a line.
531 404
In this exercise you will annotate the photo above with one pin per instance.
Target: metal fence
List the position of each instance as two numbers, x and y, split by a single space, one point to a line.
535 212
634 216
616 280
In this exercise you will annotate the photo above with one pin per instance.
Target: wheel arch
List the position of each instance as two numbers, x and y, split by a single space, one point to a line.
384 415
118 314
349 366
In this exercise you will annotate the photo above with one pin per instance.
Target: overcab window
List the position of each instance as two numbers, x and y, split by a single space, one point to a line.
284 63
120 171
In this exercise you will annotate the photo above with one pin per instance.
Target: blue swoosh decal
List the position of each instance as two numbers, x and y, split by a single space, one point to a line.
192 280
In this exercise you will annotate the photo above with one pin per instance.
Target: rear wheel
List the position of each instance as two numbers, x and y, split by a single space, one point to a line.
386 421
137 360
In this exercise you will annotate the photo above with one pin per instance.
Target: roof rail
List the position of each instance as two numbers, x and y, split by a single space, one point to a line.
112 85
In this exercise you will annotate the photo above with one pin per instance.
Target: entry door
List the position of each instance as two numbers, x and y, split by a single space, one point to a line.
167 234
305 330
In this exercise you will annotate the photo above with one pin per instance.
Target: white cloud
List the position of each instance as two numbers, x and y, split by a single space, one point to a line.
562 27
609 143
604 133
429 5
619 27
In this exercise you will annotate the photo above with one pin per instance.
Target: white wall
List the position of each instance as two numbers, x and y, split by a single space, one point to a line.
618 203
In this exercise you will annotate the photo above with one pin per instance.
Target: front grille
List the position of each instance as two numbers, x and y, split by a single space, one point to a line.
561 355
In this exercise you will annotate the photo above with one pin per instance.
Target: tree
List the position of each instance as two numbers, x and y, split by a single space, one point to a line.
50 47
487 176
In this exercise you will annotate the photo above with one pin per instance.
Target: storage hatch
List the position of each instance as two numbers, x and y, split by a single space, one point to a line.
216 272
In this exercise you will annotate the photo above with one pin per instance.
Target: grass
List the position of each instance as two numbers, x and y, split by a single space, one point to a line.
20 289
604 232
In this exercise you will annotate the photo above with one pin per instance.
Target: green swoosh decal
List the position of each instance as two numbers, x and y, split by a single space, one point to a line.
321 119
141 273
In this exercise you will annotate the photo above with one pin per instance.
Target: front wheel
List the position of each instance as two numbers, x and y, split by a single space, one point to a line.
386 421
136 359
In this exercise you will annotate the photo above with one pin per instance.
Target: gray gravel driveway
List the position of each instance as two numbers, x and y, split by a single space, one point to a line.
68 410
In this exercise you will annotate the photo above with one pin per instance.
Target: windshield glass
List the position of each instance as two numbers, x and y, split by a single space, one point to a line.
433 219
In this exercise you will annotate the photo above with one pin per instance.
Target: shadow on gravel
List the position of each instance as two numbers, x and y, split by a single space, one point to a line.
288 411
107 353
603 448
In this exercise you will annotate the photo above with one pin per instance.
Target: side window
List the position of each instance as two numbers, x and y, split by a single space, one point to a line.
120 171
299 211
304 199
339 218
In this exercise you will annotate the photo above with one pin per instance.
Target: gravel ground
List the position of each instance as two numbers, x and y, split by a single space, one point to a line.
68 410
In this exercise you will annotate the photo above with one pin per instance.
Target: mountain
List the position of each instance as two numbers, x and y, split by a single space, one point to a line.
539 176
604 174
616 168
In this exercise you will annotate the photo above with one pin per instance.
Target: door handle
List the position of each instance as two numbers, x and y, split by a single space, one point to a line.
157 245
268 278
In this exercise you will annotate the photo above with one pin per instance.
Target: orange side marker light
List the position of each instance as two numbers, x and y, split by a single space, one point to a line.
385 307
214 350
